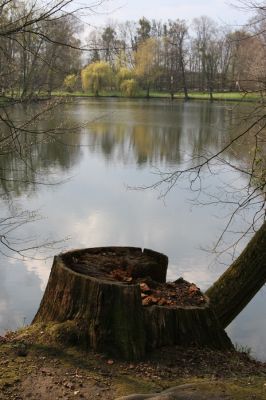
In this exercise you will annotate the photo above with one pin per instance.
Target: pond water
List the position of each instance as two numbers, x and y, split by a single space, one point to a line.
91 171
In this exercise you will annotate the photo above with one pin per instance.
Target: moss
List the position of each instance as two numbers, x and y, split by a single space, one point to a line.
11 366
68 333
126 385
244 389
121 378
8 377
249 388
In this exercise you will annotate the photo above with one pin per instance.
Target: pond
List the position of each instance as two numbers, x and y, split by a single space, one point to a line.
93 173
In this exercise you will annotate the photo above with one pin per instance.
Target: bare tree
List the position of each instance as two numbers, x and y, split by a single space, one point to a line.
176 36
38 47
236 287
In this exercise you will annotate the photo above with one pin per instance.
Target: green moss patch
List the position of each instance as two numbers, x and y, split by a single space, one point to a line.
126 385
230 375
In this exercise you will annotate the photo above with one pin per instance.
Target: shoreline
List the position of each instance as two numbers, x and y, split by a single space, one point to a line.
194 96
35 363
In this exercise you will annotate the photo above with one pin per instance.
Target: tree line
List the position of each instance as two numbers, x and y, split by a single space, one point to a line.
172 57
42 54
38 44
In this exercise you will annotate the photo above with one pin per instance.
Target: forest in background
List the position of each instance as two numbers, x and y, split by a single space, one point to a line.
127 58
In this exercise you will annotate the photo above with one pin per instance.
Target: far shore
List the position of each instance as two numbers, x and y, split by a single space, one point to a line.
194 95
239 97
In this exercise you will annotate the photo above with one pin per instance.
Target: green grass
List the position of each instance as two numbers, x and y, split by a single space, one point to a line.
225 96
193 95
230 96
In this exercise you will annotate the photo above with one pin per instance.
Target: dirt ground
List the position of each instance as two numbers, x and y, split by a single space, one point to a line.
33 366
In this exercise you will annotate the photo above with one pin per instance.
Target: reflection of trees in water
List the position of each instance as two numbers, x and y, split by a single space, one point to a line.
154 135
42 155
141 144
189 129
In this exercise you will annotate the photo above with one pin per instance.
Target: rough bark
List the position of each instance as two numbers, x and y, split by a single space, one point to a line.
110 314
230 294
184 326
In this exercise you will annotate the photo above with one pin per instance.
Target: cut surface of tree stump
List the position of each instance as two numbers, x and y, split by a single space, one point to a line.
121 304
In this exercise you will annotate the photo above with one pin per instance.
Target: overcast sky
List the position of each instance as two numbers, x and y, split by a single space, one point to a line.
122 10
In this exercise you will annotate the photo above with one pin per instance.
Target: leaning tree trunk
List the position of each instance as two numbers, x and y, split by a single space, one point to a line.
230 294
98 290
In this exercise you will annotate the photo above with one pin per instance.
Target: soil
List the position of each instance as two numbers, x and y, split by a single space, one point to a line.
34 365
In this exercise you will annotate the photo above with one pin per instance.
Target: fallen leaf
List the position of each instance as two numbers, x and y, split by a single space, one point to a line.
144 287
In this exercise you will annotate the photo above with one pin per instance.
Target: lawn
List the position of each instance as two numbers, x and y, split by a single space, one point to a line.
225 96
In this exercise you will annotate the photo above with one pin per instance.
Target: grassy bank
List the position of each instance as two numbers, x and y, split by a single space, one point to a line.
34 363
217 96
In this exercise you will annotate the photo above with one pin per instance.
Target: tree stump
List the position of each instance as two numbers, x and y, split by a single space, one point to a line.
120 303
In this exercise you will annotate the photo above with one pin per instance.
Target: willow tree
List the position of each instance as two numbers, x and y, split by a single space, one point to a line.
96 76
147 68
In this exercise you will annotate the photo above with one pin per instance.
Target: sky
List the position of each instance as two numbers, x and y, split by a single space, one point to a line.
220 10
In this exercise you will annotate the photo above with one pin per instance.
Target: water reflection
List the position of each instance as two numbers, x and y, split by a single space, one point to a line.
115 144
40 157
19 292
122 131
161 135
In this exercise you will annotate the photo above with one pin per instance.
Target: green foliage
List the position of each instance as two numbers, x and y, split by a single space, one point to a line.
147 69
123 74
129 87
70 82
144 29
96 76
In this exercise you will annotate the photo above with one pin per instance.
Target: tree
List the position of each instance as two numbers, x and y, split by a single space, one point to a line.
176 35
246 275
246 60
146 63
37 47
43 45
122 74
239 284
95 308
109 43
143 30
242 280
70 82
205 31
96 76
129 87
61 60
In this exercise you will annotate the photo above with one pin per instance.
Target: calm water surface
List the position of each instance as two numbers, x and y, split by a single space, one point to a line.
123 144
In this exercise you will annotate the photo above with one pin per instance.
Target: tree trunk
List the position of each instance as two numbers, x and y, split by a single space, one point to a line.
230 294
211 93
148 92
184 79
109 315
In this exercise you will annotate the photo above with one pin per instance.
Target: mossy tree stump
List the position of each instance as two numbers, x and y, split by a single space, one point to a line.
109 314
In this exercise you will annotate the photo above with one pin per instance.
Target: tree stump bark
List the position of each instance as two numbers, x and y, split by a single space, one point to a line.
99 289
